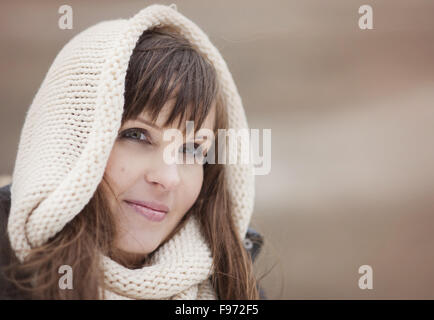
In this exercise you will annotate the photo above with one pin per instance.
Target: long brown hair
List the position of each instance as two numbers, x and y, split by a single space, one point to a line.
164 65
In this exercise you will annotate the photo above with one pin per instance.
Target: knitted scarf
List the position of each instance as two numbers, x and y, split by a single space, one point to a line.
66 140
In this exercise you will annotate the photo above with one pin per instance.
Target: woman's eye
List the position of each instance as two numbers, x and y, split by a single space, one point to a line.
190 148
137 134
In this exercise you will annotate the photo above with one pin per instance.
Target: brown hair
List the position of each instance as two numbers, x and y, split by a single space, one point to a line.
163 65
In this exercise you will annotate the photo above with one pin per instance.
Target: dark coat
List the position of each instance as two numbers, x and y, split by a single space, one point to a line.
252 243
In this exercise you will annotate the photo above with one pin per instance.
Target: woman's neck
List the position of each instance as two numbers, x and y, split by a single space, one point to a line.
129 259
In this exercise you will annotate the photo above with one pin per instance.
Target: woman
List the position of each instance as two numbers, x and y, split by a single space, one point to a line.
92 189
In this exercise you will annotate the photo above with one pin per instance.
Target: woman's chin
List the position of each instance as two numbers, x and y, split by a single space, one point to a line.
142 248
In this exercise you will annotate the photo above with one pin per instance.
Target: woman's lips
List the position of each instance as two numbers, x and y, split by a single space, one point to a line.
149 210
151 205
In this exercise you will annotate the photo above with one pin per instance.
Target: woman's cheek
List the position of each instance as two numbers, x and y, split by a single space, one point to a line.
123 166
192 177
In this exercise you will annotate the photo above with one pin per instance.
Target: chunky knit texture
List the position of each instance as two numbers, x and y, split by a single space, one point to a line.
69 131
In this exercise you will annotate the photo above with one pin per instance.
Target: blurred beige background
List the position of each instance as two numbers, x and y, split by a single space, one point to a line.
352 119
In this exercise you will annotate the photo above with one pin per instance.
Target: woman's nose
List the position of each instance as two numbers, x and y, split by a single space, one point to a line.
166 176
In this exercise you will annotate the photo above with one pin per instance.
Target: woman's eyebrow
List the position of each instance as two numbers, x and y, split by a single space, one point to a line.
148 123
199 137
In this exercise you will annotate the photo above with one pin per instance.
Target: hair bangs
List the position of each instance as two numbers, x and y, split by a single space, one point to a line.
166 68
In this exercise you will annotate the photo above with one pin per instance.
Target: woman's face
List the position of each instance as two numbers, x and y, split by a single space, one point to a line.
136 171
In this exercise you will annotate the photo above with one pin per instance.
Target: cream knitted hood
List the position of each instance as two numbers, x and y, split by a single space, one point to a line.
69 131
